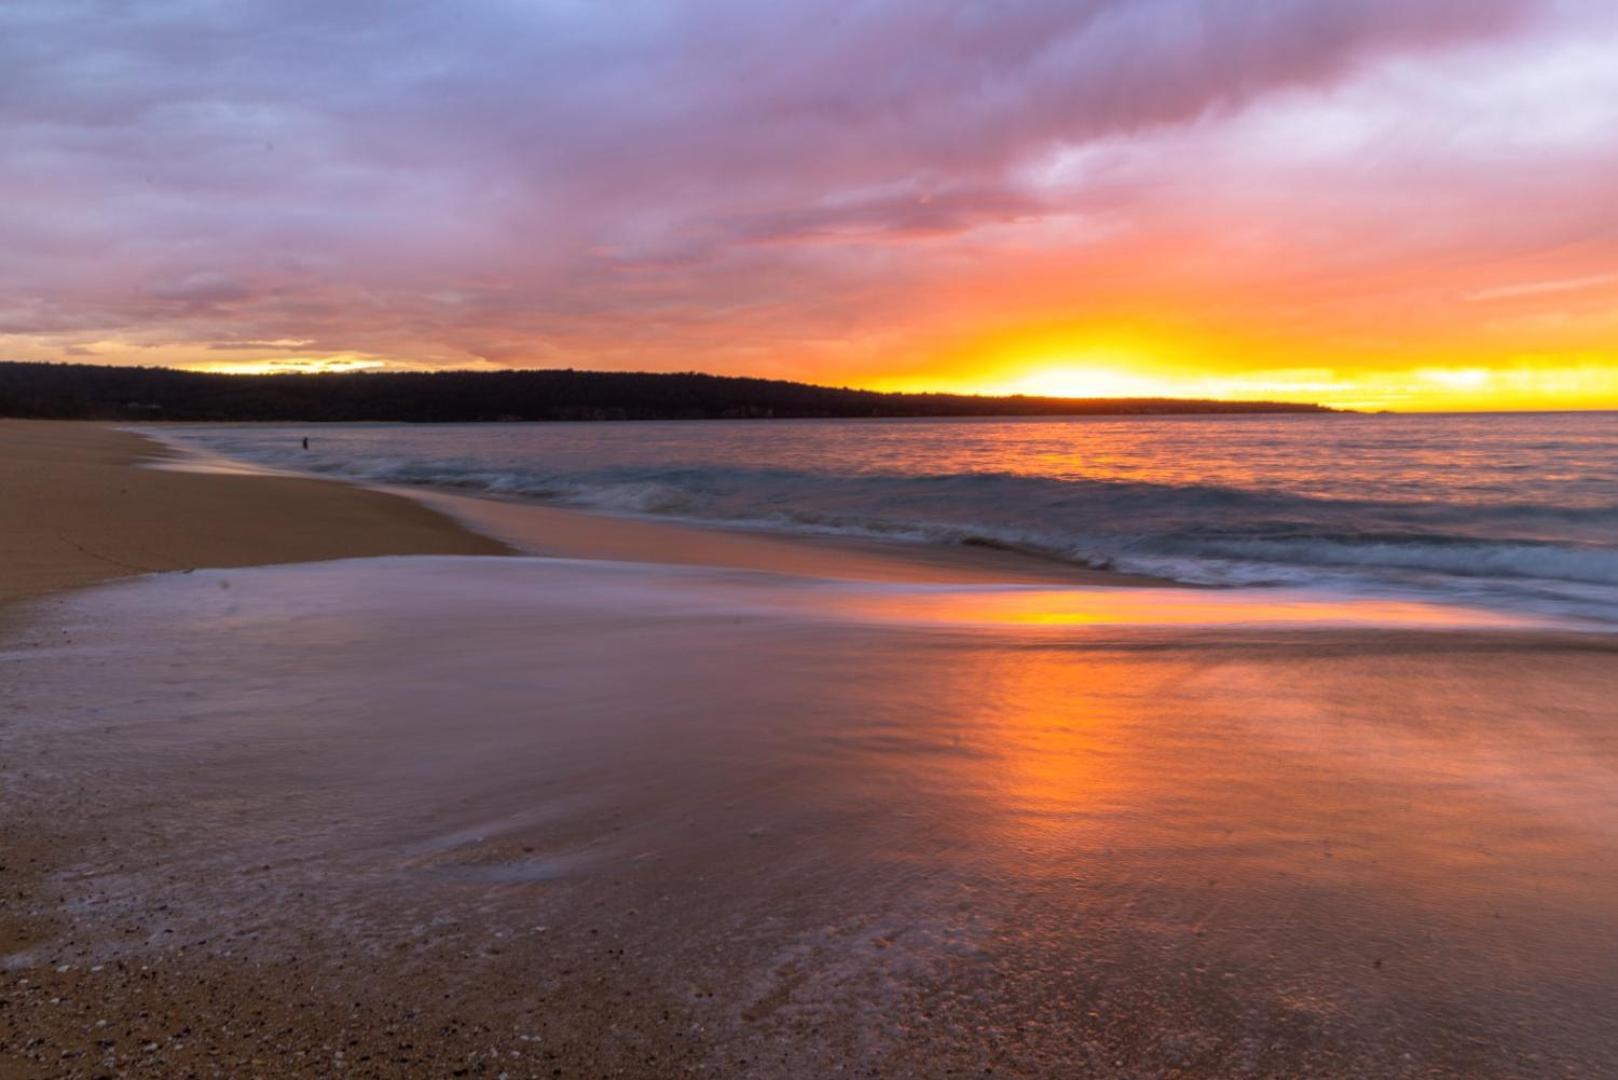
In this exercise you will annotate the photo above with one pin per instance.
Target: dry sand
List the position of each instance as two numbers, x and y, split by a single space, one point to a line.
75 510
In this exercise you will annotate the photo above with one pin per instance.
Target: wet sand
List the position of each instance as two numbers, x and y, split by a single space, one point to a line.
573 534
409 816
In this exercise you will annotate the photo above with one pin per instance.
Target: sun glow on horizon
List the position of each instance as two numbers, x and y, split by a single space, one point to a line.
1528 383
290 365
1111 360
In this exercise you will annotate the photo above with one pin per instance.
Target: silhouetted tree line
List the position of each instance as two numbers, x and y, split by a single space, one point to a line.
92 392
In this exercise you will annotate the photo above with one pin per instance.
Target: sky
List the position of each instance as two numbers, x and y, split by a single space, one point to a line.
1407 204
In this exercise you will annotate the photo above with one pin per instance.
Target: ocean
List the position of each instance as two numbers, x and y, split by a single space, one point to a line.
1511 512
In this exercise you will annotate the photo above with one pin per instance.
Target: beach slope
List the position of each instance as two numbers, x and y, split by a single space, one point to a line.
77 511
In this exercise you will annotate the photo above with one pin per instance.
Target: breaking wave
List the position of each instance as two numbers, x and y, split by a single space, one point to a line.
1545 556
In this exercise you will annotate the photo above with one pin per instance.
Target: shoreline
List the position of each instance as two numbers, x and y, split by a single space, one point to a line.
568 533
493 816
89 508
83 509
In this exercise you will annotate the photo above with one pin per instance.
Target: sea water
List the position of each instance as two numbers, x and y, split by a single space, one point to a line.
1513 512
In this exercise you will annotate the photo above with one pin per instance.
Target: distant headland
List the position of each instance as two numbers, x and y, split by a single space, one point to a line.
94 392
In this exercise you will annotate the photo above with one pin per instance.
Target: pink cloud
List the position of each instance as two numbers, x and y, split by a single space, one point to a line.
651 184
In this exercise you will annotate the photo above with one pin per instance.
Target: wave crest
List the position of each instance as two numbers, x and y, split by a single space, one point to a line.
1201 533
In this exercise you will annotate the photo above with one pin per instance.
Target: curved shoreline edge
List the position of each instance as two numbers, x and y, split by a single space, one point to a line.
536 529
80 510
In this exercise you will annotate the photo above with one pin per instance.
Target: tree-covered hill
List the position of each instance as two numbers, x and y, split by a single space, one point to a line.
93 392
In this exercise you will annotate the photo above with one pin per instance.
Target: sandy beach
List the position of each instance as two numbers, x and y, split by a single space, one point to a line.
384 809
78 511
82 509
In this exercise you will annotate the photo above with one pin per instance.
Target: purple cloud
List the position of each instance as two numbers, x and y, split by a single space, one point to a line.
625 183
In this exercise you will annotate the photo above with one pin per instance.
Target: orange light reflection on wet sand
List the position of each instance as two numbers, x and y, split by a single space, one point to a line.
1181 607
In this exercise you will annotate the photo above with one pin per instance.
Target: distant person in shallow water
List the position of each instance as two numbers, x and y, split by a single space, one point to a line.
306 442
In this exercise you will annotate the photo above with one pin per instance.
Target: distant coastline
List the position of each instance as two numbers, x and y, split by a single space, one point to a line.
50 391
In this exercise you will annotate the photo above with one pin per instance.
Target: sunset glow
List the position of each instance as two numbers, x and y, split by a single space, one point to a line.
283 365
1532 383
1367 203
